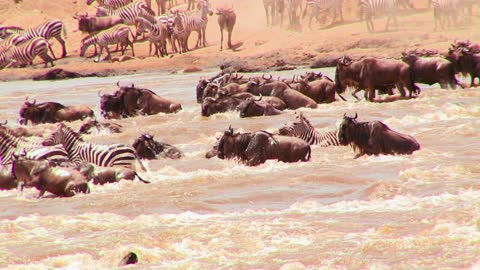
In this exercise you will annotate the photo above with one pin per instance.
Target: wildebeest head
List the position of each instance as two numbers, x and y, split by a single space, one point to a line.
233 145
145 146
27 111
88 125
345 129
111 105
210 106
340 72
210 90
249 107
200 89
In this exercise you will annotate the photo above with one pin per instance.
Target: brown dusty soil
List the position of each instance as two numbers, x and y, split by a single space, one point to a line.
261 47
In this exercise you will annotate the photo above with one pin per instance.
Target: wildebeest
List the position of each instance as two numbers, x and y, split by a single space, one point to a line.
93 124
60 181
223 104
294 99
226 19
321 91
374 138
102 175
466 62
431 70
92 24
131 101
364 74
262 106
52 112
255 148
147 147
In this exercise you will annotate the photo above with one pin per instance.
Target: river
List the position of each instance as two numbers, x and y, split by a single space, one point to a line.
419 211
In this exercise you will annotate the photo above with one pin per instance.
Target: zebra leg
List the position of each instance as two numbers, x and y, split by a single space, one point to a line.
100 54
370 25
204 39
131 45
63 43
50 48
199 39
47 59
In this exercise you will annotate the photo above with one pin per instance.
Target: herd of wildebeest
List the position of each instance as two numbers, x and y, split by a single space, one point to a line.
63 163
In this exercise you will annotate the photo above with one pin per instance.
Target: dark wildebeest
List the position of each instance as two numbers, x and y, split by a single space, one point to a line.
111 106
374 138
52 112
144 101
93 24
148 148
223 104
60 181
431 70
226 19
92 124
294 99
466 62
364 74
102 175
322 90
130 258
251 107
255 148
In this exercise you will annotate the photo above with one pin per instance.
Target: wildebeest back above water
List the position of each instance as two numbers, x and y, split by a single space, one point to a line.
52 112
130 101
257 147
374 138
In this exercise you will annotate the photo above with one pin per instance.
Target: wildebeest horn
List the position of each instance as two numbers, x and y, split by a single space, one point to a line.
260 98
99 93
34 101
118 83
344 115
356 115
76 15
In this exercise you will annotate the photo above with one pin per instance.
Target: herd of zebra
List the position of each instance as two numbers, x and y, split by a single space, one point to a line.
445 12
110 26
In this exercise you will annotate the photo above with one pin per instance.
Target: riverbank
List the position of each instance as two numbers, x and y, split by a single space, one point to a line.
261 48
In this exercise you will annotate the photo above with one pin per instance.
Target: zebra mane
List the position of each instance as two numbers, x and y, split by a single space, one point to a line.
69 131
6 138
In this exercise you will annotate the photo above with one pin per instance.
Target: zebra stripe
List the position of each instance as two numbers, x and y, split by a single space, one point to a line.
196 20
129 13
114 4
14 39
158 35
101 155
11 145
115 35
445 10
305 131
317 7
24 53
47 30
373 8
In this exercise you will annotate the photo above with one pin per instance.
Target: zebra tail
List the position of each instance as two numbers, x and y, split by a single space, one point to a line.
141 179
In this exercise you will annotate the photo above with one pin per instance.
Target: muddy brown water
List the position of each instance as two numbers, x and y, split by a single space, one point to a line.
388 212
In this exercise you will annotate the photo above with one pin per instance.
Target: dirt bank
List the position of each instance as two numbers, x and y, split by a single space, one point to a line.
262 47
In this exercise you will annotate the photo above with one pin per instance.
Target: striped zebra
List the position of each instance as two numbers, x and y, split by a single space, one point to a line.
47 30
25 53
6 31
180 35
113 155
129 13
305 131
445 11
158 35
115 35
11 145
373 8
14 39
196 20
317 7
115 4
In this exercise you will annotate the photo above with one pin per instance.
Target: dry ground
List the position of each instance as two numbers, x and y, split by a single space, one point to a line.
263 47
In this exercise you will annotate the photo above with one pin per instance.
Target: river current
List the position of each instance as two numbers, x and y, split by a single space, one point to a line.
419 211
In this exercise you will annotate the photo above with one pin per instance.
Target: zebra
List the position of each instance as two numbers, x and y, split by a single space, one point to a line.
305 131
13 39
180 34
46 30
445 10
196 20
10 145
158 35
316 7
272 9
114 35
24 53
372 8
169 22
129 13
112 155
115 4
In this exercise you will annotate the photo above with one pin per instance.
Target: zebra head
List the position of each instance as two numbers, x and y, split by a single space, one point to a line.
62 135
205 7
